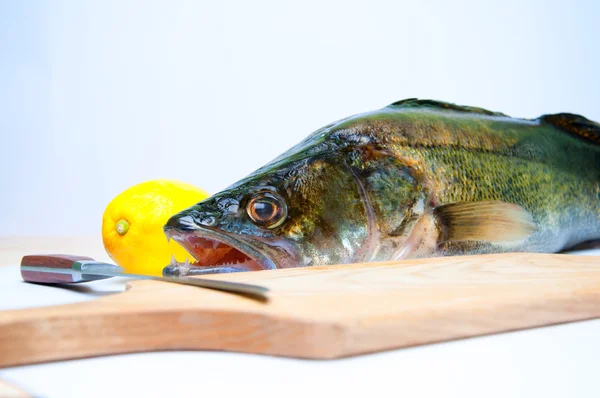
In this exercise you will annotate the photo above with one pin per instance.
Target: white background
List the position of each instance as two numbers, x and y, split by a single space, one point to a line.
96 96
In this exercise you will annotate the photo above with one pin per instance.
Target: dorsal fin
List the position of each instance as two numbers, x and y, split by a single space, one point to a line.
417 103
576 125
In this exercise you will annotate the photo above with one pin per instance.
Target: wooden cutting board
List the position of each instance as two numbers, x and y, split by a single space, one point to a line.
318 312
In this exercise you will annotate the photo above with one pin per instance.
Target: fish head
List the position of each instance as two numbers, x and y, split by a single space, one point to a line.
338 197
295 212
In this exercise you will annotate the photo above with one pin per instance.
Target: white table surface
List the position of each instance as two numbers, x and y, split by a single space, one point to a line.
555 361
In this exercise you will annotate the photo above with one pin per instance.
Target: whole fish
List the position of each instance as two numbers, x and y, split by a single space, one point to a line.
418 178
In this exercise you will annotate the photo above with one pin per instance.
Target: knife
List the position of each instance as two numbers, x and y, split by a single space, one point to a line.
66 269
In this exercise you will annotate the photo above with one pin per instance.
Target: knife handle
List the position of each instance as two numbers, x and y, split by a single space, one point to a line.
51 268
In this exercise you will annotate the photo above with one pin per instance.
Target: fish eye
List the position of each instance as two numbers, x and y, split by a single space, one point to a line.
267 209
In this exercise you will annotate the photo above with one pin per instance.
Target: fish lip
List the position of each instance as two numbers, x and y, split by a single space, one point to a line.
172 232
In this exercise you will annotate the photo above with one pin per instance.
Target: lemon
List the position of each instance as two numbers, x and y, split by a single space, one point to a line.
132 224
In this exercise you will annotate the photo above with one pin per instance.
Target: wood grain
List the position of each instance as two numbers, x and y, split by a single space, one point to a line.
318 312
63 261
59 261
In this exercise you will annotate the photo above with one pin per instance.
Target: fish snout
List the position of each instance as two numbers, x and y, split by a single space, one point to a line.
191 220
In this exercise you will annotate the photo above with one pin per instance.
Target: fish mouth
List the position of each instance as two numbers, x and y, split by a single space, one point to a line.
213 249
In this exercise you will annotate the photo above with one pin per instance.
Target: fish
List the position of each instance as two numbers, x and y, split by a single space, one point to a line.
418 178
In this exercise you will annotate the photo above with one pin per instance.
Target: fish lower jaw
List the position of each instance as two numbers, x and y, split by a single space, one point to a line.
210 252
187 264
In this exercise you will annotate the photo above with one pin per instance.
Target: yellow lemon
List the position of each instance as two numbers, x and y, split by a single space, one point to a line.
132 225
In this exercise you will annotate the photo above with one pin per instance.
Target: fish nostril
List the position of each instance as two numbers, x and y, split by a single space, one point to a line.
207 219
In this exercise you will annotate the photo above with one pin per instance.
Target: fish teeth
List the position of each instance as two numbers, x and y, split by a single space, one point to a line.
214 244
168 238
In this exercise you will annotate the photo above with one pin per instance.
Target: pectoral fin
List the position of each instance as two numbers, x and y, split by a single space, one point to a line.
489 221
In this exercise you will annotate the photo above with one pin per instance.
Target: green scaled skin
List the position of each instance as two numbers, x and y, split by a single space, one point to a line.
418 178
